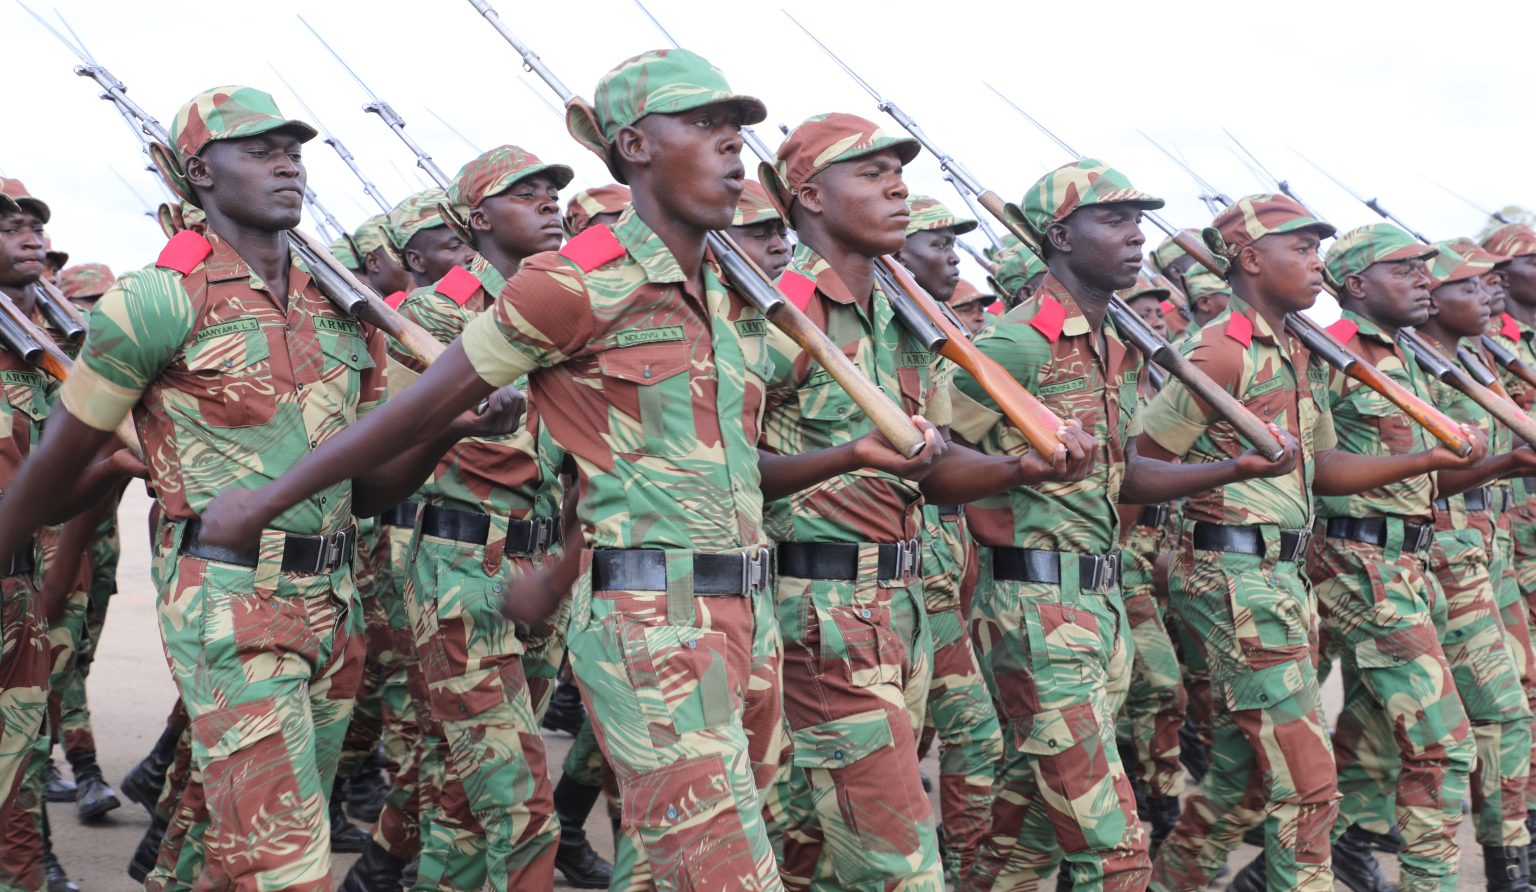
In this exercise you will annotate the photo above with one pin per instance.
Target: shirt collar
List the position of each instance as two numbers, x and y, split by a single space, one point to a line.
490 277
1074 323
1368 327
806 262
1261 329
647 248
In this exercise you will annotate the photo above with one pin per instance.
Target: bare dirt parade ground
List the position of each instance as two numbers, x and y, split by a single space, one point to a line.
130 691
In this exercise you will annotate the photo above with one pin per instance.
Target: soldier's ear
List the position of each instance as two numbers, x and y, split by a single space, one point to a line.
414 263
1059 238
478 221
1354 286
197 170
1248 260
808 196
631 146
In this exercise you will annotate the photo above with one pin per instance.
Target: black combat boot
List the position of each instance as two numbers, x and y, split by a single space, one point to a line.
1250 878
575 858
1389 843
93 798
53 871
58 789
1163 813
1355 866
1192 751
365 790
148 851
565 712
345 836
376 871
144 783
1506 869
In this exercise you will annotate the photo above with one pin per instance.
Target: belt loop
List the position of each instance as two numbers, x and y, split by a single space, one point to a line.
1071 577
269 562
495 544
680 606
1393 546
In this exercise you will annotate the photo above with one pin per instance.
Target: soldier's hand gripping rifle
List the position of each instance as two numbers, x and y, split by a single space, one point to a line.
19 335
754 285
1154 347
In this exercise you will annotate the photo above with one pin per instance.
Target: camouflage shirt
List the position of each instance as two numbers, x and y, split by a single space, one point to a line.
807 410
516 475
655 392
229 385
1516 337
23 406
1282 383
1046 344
1368 423
1460 407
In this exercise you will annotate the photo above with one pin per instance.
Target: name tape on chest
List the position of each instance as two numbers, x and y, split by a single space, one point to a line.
633 336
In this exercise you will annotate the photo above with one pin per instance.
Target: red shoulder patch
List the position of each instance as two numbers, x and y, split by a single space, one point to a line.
395 300
797 288
184 252
1511 328
1343 330
459 285
995 308
592 247
1167 307
1050 318
1240 329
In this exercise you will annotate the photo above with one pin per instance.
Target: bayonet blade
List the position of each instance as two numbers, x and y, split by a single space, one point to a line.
1038 126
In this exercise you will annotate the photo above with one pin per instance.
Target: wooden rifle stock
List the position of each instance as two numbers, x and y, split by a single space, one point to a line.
755 286
1506 358
1037 423
1502 410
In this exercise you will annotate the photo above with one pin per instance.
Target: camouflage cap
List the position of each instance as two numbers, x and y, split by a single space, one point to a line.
589 203
821 141
966 293
930 213
660 82
14 197
755 206
416 213
86 280
1145 287
1449 265
231 112
373 234
345 251
1055 196
1252 217
1200 282
1168 252
995 254
1470 249
1016 267
496 171
1512 240
55 256
1356 251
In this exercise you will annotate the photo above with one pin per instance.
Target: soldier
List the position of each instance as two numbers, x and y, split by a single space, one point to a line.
379 253
1376 598
671 640
959 709
243 367
1019 273
429 247
594 207
969 304
1207 295
759 230
1173 261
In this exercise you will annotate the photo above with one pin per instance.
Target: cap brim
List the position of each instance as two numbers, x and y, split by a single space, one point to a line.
562 176
906 148
581 124
63 256
1467 269
1407 252
753 111
1324 230
269 125
778 191
34 207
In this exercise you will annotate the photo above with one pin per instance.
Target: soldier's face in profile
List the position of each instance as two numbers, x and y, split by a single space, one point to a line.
1397 292
862 202
931 257
431 253
1520 280
1493 283
257 181
1106 243
692 160
524 219
766 243
21 249
1462 308
1291 267
1149 307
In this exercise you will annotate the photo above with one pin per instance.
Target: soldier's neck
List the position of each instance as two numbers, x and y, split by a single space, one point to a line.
21 296
1444 341
1522 312
265 251
1092 300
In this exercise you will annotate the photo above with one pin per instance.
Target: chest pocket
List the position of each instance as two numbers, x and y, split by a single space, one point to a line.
648 390
230 376
27 400
1393 427
828 414
346 358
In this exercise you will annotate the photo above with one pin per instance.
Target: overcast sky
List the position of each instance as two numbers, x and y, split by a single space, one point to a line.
1387 97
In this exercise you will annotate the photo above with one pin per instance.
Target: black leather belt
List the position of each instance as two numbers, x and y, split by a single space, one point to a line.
1373 531
402 515
840 560
1506 497
301 554
22 562
1249 540
645 570
1530 485
1153 515
1476 500
1094 571
533 536
950 512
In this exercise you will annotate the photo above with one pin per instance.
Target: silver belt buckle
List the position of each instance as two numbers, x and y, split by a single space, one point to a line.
754 571
543 534
330 552
1103 571
907 558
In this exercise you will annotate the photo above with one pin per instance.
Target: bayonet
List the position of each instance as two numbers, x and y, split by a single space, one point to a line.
1497 215
1371 203
1213 198
455 131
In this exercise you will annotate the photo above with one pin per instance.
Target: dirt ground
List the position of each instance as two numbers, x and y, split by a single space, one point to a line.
131 692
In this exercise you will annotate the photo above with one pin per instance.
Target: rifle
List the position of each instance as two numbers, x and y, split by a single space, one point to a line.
754 285
64 316
335 281
341 150
1480 372
1283 185
1508 414
1372 203
1507 358
1496 215
1213 198
19 335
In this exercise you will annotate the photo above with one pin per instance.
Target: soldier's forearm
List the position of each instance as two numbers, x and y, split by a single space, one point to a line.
395 480
784 475
1152 481
964 475
1341 473
33 499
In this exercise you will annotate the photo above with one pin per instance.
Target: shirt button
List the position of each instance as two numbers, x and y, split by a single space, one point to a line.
671 812
693 644
842 410
838 755
864 613
354 357
496 588
314 444
229 363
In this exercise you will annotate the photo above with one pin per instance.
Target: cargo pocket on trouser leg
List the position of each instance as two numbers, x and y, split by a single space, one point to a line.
1071 760
688 823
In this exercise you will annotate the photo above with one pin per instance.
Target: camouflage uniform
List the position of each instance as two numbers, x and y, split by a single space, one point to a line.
235 388
1051 649
589 203
1379 603
657 397
1240 588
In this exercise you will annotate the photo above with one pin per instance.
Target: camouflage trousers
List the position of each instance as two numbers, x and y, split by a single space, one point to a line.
1155 708
960 712
268 664
384 679
1270 758
1522 535
683 694
1379 605
858 661
485 783
407 718
1057 660
23 731
73 707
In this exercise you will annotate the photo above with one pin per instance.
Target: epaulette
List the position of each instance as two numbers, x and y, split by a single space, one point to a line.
592 247
995 308
396 299
797 288
184 252
1343 330
459 285
1166 307
1049 318
1240 329
1511 328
